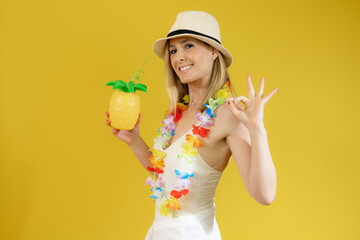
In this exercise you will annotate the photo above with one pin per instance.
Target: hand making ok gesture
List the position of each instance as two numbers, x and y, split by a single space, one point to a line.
252 114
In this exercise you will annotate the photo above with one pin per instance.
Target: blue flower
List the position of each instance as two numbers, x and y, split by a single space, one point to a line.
209 110
183 175
157 193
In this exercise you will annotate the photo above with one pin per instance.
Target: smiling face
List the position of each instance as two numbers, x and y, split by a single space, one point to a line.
191 59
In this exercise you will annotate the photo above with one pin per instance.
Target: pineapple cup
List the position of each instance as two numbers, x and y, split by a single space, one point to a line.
124 110
124 105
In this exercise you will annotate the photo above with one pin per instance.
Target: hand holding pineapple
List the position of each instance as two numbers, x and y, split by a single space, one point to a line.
127 136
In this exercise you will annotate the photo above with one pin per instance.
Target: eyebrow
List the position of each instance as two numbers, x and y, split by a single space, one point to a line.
183 41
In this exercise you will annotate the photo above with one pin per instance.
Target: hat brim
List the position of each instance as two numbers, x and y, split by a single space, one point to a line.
160 46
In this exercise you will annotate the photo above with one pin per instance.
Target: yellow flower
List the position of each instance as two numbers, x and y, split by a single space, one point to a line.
173 203
163 209
222 93
158 153
227 87
193 140
182 106
186 99
157 162
188 149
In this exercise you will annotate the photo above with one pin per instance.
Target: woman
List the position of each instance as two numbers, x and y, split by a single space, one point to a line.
204 128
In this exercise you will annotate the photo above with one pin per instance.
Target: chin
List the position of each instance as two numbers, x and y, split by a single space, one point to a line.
186 80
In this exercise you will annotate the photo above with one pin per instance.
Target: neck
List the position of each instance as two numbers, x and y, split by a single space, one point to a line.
197 92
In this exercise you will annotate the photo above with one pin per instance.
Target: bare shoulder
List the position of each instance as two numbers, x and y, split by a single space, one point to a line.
229 125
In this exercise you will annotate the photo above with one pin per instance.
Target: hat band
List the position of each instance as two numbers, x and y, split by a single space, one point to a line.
184 31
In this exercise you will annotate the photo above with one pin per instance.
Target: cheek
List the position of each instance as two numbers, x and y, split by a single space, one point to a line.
194 56
200 56
203 61
172 63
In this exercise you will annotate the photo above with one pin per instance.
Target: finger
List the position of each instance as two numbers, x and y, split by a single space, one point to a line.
234 110
139 120
107 114
250 87
107 122
241 107
115 131
267 98
242 99
261 87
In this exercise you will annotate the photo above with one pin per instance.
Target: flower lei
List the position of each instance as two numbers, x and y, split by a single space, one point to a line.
162 141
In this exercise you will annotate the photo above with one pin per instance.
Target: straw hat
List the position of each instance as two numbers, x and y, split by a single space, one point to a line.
195 24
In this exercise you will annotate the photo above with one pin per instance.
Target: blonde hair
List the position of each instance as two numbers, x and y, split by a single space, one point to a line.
177 90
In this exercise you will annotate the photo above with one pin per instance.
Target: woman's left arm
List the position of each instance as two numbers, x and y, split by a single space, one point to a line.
253 155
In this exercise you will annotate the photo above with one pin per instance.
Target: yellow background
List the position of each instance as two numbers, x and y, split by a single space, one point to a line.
63 175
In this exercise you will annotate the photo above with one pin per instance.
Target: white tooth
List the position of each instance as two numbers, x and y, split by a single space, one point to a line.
185 68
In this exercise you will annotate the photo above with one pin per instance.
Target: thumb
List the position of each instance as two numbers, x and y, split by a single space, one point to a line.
238 113
139 120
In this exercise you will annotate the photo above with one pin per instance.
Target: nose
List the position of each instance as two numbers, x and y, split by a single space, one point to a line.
180 56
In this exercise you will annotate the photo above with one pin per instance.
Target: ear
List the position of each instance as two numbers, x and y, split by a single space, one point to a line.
215 53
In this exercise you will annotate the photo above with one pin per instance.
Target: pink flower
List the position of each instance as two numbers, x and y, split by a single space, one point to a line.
205 119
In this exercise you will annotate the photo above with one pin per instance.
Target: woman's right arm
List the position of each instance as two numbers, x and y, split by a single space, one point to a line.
141 151
133 139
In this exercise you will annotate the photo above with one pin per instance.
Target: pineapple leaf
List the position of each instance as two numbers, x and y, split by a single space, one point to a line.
127 89
118 84
140 87
130 86
112 83
121 82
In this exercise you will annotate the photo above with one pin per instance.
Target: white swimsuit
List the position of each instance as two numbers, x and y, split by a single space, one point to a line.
196 219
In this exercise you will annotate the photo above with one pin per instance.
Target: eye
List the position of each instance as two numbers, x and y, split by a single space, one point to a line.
189 45
173 51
